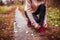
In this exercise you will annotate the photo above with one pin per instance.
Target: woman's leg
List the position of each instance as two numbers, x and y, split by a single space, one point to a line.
28 20
41 11
41 18
34 15
42 14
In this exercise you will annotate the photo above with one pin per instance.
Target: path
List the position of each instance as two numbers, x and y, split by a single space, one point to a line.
21 31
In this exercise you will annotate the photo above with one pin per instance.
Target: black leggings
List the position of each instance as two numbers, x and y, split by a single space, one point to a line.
41 11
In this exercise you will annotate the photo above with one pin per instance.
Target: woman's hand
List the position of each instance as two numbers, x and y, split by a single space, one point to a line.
36 25
45 24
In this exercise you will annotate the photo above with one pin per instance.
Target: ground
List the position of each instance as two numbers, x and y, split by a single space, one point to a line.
20 30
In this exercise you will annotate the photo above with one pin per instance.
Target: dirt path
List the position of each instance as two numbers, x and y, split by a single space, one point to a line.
22 32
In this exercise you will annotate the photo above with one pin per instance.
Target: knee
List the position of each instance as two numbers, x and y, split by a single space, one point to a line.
42 7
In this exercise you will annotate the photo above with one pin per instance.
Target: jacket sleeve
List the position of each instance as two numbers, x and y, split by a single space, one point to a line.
29 11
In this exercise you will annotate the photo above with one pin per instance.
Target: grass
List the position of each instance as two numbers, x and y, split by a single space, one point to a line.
6 23
4 8
53 16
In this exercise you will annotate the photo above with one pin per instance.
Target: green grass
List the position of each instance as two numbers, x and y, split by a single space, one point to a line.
4 8
53 16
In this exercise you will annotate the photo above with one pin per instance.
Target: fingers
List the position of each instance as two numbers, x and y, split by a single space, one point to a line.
37 26
45 25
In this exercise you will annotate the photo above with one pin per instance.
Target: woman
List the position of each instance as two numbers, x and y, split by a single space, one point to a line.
34 8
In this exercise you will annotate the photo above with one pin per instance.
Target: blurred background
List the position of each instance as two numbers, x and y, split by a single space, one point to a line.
7 16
